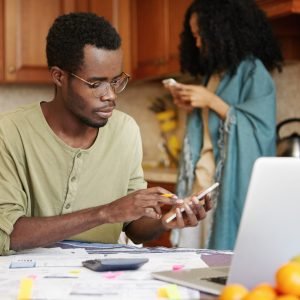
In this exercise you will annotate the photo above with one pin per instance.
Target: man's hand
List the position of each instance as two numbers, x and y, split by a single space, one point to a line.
194 211
142 203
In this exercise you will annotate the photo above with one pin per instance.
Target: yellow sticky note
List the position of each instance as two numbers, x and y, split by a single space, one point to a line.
169 291
173 292
25 291
162 292
74 272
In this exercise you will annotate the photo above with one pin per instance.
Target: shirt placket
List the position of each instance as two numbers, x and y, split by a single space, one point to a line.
73 183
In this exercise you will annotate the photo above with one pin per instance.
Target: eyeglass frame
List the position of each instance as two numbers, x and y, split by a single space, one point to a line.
92 84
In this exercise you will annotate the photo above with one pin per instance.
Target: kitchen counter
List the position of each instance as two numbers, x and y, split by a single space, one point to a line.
160 174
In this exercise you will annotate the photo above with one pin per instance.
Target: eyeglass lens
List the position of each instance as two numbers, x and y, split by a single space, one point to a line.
117 86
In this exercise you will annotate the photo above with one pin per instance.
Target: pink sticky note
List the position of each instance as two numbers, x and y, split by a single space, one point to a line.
177 267
112 275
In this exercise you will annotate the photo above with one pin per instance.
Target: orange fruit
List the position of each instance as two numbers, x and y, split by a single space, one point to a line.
267 289
288 279
287 297
263 291
233 292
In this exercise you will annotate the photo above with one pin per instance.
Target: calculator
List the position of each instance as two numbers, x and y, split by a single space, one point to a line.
114 264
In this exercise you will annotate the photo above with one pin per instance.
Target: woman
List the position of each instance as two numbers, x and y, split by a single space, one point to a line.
228 46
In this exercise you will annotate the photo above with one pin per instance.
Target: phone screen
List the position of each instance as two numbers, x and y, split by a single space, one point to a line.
169 82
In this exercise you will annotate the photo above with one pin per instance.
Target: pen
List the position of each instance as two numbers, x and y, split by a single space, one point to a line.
168 195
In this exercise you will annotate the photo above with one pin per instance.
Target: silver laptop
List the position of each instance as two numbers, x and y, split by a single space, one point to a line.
268 234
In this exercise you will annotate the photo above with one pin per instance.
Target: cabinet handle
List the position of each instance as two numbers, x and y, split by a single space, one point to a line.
12 69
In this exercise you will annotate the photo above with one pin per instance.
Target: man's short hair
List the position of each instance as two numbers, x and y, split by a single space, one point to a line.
69 35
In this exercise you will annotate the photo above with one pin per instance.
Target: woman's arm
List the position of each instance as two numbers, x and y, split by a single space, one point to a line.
201 97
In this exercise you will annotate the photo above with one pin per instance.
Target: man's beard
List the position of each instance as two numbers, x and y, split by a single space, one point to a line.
90 123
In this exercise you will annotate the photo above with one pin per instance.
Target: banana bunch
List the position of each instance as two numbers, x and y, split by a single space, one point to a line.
168 123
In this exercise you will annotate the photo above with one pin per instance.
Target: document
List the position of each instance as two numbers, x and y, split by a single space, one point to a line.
57 273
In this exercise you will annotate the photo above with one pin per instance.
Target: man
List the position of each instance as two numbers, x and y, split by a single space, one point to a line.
71 167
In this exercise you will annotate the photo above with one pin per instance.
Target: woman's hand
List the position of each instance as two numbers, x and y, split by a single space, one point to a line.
188 96
195 95
174 89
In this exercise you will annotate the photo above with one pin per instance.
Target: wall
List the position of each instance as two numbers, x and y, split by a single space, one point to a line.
136 99
288 96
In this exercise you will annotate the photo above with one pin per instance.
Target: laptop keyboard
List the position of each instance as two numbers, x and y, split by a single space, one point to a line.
219 280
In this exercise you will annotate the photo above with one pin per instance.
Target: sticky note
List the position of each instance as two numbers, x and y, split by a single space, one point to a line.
162 292
173 292
169 291
112 275
177 267
25 291
74 272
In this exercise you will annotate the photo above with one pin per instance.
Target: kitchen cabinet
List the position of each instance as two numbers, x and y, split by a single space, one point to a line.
156 26
284 16
286 29
24 27
279 8
149 30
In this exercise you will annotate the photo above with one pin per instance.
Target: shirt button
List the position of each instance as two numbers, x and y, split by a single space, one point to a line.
68 206
79 155
73 178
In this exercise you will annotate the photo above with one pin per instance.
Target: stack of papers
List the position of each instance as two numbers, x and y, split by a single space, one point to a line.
57 273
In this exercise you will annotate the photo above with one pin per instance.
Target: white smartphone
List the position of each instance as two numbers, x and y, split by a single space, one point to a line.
169 82
199 196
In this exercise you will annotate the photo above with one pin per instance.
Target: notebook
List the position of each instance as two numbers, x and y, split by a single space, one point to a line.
268 234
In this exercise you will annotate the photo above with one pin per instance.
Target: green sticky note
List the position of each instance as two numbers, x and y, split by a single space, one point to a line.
173 292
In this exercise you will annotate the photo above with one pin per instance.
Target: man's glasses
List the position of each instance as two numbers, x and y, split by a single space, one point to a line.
101 88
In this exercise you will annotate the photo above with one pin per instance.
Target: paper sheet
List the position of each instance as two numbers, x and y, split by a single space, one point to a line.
59 275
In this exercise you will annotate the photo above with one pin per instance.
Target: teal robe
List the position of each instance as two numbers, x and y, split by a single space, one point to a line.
247 133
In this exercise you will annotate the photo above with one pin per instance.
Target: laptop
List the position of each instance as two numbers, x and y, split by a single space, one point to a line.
268 234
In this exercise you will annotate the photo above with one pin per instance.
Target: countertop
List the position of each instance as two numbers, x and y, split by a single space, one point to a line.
160 174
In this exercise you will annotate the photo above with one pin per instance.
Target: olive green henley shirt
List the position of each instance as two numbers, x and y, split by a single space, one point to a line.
42 176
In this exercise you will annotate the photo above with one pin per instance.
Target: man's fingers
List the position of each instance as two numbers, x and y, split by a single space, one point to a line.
199 209
151 213
179 218
190 215
170 200
158 209
208 203
156 200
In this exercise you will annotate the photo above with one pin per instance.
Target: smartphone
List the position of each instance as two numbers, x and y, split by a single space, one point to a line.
169 82
114 264
199 196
